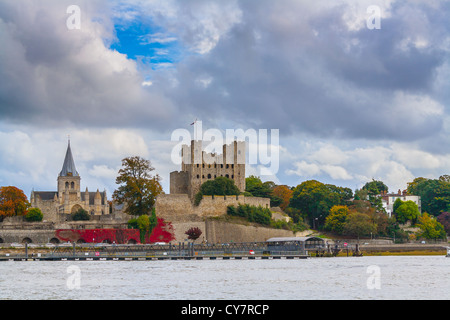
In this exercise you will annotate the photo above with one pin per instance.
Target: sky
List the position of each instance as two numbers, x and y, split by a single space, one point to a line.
356 93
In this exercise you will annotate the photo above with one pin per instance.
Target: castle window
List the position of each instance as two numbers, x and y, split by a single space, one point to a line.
227 176
198 176
72 185
232 166
221 165
215 165
209 176
203 165
203 176
228 166
232 176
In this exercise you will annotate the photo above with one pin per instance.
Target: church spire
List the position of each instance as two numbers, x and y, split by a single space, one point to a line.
68 169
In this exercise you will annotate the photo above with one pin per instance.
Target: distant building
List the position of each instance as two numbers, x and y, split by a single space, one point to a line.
198 167
388 199
69 198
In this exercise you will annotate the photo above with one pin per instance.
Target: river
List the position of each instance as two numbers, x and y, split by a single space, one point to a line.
341 278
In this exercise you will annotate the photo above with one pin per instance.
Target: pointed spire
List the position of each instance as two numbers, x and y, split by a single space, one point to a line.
68 168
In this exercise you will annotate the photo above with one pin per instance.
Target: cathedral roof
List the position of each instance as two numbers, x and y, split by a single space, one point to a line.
68 168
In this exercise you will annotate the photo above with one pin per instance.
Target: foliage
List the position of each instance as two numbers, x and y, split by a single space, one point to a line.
337 218
434 193
359 224
430 227
34 215
315 199
163 232
375 187
444 219
81 215
284 193
220 186
193 233
251 213
13 202
257 188
397 203
143 223
138 187
407 211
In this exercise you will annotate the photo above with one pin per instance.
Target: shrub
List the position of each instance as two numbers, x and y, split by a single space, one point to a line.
251 213
193 233
81 215
34 215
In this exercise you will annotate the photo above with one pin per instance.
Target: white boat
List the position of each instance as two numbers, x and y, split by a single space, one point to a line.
448 252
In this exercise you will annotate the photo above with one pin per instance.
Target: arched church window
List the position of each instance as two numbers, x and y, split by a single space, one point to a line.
67 185
72 185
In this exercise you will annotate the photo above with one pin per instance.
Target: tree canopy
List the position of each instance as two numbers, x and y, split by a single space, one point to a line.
220 186
138 188
13 202
434 194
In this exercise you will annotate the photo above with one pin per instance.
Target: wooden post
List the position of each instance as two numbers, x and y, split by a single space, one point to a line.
26 250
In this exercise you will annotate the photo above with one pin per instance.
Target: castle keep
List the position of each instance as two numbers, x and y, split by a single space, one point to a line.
198 167
69 198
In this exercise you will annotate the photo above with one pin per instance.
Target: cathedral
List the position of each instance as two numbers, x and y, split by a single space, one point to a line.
68 199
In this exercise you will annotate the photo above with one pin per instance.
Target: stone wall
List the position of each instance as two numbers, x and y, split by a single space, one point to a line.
223 232
178 205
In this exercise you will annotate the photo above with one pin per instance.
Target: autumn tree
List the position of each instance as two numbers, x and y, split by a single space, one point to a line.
138 187
284 193
13 202
359 224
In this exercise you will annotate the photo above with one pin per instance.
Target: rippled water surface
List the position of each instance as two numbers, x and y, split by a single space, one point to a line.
418 277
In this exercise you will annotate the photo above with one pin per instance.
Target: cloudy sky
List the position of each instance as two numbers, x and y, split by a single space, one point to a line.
352 102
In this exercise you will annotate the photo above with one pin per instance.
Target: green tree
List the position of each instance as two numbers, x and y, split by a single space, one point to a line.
397 203
220 186
430 227
138 188
143 224
434 194
34 215
315 199
375 187
408 211
337 218
81 215
257 188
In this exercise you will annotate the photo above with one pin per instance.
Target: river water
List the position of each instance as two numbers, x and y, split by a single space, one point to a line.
341 278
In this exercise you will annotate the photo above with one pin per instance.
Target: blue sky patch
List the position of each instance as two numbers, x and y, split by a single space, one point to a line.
147 44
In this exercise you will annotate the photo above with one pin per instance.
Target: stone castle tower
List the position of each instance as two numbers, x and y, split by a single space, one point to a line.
68 198
198 166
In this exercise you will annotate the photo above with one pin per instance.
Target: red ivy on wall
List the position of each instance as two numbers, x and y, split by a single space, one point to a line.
163 232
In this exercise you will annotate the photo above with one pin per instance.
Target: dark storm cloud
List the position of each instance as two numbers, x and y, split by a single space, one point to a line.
313 74
291 65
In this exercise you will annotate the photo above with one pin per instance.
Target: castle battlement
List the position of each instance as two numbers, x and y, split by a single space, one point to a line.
199 166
